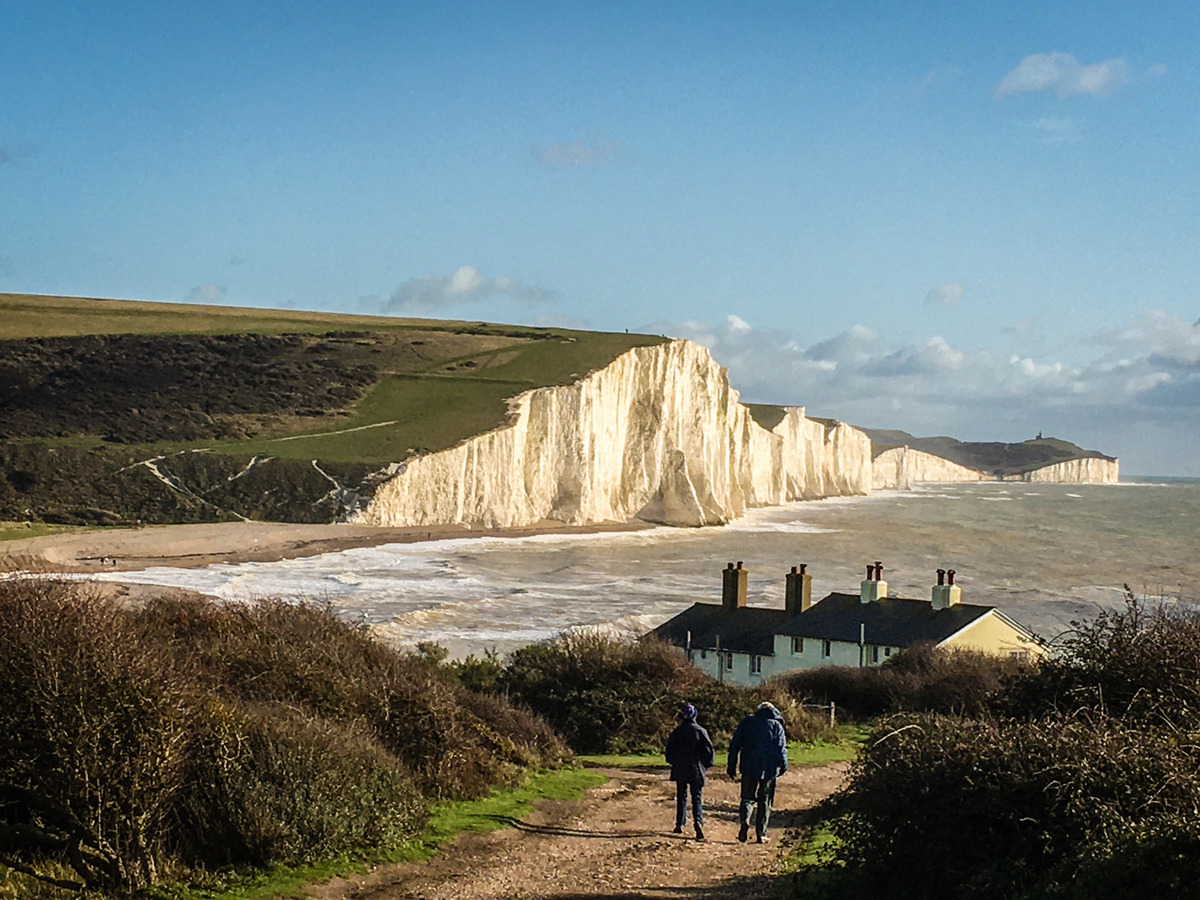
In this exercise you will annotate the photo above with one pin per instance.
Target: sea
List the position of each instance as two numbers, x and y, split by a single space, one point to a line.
1046 555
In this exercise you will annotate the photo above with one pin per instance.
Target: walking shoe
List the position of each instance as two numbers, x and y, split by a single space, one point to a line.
700 834
678 829
762 839
743 831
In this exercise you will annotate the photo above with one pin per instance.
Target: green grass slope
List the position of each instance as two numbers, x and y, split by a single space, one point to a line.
89 388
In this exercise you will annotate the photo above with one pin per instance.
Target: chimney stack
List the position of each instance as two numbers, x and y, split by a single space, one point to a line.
874 588
733 586
798 594
946 593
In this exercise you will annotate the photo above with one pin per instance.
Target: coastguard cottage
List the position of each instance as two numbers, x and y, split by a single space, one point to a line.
745 644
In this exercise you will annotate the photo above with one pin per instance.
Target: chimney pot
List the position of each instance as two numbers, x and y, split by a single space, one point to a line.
793 570
941 573
870 573
950 575
739 563
803 568
878 570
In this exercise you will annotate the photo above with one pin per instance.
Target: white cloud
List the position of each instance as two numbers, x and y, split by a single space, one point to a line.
1145 378
577 153
465 284
208 294
1064 75
944 294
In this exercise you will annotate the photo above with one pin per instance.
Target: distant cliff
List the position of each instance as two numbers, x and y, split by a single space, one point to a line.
902 467
658 434
1095 470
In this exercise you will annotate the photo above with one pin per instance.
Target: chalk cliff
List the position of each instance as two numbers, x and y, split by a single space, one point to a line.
658 434
902 467
1092 470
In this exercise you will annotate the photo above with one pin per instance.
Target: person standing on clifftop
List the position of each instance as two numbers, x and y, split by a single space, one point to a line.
761 743
689 753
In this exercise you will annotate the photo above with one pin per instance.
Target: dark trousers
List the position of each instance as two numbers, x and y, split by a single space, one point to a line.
681 792
758 792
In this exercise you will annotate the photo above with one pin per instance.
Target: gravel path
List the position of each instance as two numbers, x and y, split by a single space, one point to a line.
614 845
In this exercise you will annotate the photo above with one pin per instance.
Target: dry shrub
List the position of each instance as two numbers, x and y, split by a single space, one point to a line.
271 651
93 729
1140 662
941 807
923 678
606 695
268 783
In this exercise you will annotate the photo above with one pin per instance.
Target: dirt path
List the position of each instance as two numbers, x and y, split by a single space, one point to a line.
614 845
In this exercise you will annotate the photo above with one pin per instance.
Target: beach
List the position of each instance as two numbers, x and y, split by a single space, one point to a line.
232 543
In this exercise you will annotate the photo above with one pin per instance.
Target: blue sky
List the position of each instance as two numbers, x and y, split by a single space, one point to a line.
980 219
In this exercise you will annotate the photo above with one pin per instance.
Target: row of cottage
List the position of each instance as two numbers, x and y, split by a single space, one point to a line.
746 644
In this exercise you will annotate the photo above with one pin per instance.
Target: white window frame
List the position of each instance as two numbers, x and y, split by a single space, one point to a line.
826 649
797 645
726 660
755 665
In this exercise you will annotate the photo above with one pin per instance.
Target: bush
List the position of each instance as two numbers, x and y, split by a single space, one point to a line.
268 783
606 695
1140 662
93 733
939 807
188 732
271 651
923 678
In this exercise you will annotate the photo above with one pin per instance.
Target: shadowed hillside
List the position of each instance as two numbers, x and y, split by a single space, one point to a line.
996 459
117 411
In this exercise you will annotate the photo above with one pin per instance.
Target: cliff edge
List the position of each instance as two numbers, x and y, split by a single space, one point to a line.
657 435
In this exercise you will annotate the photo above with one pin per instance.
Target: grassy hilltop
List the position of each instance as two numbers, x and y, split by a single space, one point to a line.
997 459
90 389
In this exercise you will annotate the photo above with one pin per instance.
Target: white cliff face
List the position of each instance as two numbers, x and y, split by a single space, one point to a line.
902 467
1077 471
658 434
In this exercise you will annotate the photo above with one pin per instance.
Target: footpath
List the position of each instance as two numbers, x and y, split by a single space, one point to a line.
616 844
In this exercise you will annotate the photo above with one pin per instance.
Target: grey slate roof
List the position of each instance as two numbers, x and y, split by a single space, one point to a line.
749 629
891 622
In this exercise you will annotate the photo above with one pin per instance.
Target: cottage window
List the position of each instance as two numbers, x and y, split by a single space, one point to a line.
1019 655
797 645
887 651
756 665
727 661
704 654
874 654
826 648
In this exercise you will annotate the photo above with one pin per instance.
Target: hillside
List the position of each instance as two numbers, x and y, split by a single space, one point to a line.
260 413
999 460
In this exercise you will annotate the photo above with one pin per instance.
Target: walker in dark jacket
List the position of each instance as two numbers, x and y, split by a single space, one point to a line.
761 744
689 753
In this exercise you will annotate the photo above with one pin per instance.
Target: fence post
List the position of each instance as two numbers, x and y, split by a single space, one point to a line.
832 714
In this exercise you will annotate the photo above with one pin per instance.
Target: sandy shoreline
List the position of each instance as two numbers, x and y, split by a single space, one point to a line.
195 546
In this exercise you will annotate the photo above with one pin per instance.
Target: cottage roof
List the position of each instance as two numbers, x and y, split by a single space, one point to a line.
747 629
891 622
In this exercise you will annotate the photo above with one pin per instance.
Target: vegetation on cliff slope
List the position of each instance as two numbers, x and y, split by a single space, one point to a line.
117 411
997 459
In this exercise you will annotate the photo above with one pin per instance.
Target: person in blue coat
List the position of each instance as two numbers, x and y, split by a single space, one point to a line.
689 753
760 743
